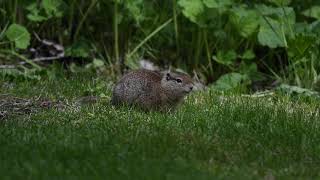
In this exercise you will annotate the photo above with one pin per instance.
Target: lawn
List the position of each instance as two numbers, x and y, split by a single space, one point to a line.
212 136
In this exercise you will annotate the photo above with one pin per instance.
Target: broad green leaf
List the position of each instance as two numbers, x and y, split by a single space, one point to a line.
210 18
245 21
203 15
135 8
282 14
315 27
220 34
302 28
79 49
45 10
230 81
19 35
217 3
36 17
192 8
300 44
27 74
52 8
248 68
251 70
275 25
98 63
248 54
281 2
287 15
267 10
313 12
34 13
297 90
3 12
271 33
225 58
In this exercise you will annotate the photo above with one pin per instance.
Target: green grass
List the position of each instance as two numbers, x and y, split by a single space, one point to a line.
210 136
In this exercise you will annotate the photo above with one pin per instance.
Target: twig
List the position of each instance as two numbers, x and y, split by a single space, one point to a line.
259 94
8 67
36 60
149 37
33 62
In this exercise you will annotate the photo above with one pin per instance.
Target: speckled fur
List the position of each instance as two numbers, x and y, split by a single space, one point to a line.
152 90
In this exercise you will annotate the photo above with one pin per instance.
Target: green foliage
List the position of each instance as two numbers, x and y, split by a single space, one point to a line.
248 55
135 8
46 10
271 34
314 12
231 81
212 37
19 35
192 8
80 48
245 21
225 58
294 90
51 8
218 3
281 2
26 74
275 26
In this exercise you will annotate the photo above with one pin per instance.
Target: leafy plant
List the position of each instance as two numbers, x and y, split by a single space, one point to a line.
19 35
45 10
313 12
257 40
231 81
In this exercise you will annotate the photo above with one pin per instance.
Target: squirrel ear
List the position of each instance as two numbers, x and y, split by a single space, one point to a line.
167 75
195 76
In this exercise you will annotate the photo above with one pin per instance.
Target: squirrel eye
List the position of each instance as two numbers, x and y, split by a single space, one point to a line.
179 80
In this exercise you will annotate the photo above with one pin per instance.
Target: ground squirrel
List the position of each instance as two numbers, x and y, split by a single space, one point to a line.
152 90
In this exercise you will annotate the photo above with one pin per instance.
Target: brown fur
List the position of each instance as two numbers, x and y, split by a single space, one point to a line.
152 90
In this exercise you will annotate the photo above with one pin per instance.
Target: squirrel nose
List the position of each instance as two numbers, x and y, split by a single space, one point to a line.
191 88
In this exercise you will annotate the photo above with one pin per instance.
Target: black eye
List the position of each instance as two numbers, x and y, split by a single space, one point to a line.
179 80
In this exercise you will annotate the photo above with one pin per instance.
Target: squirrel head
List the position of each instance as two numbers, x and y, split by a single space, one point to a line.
178 84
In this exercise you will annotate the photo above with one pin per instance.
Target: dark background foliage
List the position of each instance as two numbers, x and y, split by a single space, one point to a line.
230 43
